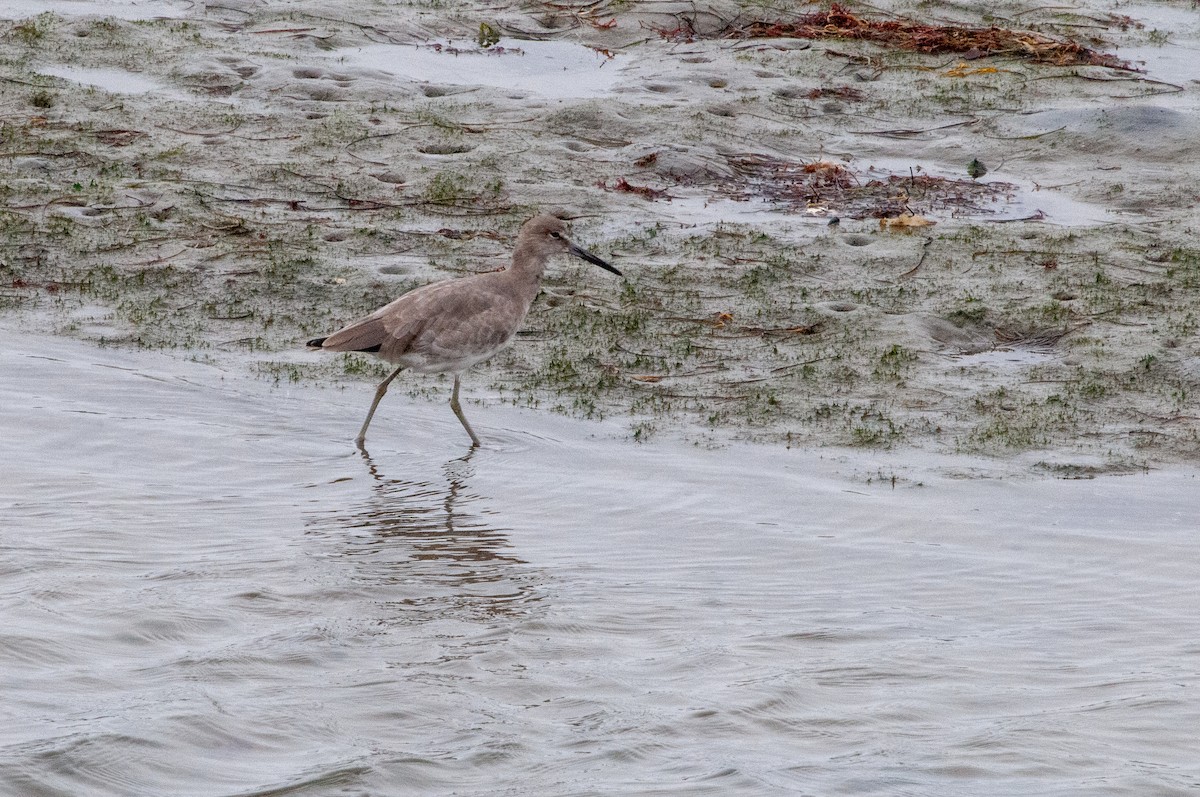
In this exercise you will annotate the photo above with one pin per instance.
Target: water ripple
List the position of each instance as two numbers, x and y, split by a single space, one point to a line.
206 591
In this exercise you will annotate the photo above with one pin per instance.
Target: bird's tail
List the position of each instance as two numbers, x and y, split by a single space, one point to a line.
319 343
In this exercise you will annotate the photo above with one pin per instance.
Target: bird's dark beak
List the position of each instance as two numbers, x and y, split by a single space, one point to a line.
589 257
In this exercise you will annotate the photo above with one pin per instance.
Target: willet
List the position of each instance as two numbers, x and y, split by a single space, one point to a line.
446 327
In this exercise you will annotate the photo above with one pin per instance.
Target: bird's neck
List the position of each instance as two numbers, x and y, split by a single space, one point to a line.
525 273
528 264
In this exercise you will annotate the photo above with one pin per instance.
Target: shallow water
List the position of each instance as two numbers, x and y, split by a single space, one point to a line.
1176 59
553 69
121 9
1023 199
1002 358
207 591
118 81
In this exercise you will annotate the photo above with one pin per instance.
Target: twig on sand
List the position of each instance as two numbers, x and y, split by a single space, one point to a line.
775 373
202 133
905 133
924 254
1035 216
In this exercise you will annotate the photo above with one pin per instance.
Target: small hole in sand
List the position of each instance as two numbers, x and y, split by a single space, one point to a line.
444 149
395 178
325 94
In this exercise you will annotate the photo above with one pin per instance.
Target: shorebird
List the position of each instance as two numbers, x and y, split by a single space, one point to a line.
446 327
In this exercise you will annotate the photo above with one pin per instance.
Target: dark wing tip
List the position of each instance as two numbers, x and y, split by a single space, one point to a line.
319 343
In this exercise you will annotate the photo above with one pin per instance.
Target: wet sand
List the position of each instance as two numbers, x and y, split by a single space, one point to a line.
228 182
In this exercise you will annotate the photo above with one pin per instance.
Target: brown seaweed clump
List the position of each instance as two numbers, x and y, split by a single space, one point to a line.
908 34
827 187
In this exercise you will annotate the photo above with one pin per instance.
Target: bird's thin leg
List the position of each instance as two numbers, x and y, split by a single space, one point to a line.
454 405
379 391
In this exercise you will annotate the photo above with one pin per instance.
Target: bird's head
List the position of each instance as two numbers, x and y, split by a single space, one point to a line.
546 235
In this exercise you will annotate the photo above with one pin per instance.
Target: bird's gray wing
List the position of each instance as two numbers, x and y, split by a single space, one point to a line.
470 321
366 334
460 318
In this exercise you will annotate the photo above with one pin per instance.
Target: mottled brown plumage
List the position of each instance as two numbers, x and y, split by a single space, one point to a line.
448 326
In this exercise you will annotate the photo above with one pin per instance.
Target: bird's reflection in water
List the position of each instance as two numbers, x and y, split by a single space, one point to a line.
429 549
